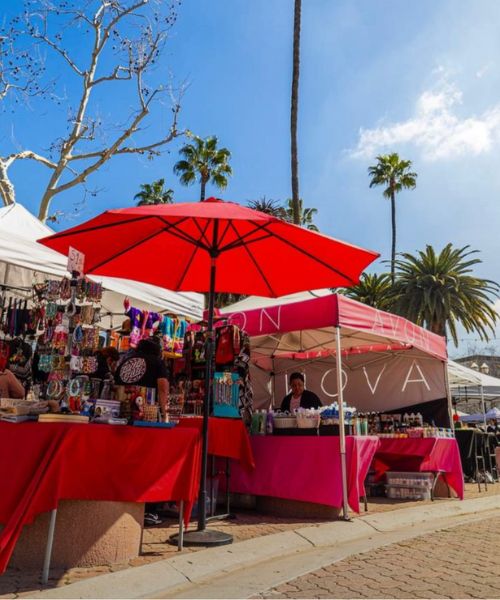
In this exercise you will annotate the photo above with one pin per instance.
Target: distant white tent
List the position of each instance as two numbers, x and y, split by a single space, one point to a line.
23 261
467 383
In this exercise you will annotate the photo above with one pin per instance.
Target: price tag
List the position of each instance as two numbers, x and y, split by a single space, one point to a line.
76 260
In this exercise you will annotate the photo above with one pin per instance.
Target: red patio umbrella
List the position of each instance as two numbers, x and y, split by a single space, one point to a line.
211 246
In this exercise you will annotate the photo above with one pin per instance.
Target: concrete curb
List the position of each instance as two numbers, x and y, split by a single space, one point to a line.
163 577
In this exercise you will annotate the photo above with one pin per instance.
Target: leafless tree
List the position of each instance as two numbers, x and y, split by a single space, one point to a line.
119 44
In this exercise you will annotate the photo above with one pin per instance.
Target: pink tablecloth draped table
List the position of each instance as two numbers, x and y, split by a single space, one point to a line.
306 468
439 455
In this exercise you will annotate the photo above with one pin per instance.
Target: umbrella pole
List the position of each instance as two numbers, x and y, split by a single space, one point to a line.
209 355
203 536
343 464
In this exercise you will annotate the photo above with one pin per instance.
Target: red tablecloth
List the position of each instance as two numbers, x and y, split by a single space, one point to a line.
422 454
306 468
226 437
41 464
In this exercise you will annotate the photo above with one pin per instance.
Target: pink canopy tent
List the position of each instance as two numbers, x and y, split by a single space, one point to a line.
347 351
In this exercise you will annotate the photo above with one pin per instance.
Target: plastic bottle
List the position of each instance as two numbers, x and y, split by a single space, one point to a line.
364 425
254 426
270 423
262 422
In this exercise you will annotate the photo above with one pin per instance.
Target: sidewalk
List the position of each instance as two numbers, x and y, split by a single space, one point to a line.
161 565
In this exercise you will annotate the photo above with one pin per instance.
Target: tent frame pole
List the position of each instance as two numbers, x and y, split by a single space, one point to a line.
483 407
448 396
343 462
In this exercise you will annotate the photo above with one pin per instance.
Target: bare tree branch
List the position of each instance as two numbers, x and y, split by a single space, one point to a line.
28 154
135 56
44 38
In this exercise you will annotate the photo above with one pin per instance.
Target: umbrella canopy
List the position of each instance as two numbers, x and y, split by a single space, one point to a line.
212 246
172 246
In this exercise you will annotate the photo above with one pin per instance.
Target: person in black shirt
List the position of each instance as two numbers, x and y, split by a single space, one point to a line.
299 396
107 359
145 367
493 427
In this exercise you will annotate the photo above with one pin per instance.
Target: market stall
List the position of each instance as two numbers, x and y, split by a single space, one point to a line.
304 468
374 360
219 247
45 463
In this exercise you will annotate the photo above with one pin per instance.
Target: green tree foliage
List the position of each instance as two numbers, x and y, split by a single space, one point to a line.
276 209
395 175
373 289
203 161
439 290
154 193
269 207
306 215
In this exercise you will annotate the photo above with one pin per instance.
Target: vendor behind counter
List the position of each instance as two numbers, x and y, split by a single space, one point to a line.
299 397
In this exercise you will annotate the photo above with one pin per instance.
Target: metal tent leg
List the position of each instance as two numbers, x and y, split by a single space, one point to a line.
180 538
48 549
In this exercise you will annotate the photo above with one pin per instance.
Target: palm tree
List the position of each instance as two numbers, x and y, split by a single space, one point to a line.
438 290
306 215
154 194
269 207
395 174
294 110
203 160
375 290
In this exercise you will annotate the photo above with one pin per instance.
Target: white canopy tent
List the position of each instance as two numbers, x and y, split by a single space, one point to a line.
23 262
466 383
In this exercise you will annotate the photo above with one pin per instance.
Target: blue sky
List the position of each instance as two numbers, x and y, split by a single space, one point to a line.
420 78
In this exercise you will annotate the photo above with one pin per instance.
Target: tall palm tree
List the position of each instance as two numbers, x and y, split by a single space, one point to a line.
395 174
202 160
294 110
438 290
306 215
373 289
270 207
154 194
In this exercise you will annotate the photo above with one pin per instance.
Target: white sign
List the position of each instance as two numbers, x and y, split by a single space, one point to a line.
76 260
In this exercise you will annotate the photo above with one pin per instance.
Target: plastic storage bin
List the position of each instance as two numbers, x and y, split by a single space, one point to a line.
411 479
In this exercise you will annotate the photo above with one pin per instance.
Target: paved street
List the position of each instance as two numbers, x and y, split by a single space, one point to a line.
461 562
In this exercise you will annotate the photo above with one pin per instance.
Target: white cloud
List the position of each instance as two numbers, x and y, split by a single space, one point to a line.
480 73
435 129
